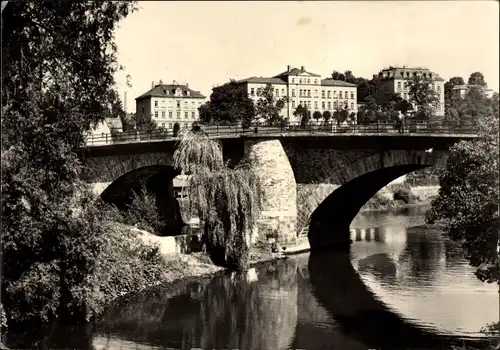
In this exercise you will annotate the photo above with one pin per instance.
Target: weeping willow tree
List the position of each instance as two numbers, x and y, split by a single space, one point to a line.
226 200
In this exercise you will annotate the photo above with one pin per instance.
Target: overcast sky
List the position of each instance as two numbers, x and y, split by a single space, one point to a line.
207 43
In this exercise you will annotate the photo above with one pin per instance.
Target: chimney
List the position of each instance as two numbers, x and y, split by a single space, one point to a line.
152 84
187 85
125 102
175 83
302 68
288 68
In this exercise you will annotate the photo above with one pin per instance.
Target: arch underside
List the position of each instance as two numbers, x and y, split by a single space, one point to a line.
329 223
157 180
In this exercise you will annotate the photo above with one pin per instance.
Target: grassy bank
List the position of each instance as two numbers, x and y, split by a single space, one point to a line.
396 196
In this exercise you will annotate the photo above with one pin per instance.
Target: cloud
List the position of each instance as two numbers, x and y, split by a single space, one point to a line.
304 21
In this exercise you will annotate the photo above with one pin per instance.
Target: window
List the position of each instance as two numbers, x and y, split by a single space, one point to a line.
252 92
439 87
156 103
293 92
259 91
300 93
352 95
329 105
308 93
328 94
300 81
163 114
309 104
283 92
293 80
433 87
162 102
193 115
323 94
352 106
178 115
340 94
399 85
316 93
315 81
170 125
162 125
315 104
334 94
178 104
277 92
186 115
335 104
309 81
170 114
293 104
186 125
323 105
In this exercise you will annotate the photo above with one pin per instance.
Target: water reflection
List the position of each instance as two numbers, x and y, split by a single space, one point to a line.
396 288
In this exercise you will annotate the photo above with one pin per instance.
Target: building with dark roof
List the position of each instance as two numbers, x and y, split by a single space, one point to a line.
168 104
307 89
393 80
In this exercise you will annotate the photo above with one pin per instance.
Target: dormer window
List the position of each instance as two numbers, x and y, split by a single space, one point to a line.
402 74
187 92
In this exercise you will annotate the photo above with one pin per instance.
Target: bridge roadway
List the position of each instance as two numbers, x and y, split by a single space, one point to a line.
291 130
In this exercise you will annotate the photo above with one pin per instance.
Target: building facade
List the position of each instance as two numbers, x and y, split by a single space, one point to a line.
393 80
307 89
168 104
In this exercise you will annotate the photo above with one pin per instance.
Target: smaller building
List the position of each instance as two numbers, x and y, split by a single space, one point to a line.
168 104
461 90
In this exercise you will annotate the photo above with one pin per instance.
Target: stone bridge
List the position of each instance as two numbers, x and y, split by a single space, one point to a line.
316 182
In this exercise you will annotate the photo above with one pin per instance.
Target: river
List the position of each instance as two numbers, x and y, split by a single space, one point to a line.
400 287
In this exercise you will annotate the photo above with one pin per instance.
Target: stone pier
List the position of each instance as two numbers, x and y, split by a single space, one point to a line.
279 213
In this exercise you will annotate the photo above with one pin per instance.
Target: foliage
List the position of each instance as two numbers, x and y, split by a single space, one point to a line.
226 200
59 84
176 129
317 115
467 204
142 212
423 96
303 113
269 107
327 115
477 78
450 84
146 124
403 194
229 104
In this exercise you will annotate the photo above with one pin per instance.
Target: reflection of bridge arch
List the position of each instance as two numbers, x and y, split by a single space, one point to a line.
339 289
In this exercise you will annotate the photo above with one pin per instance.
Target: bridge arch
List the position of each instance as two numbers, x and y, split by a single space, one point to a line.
343 184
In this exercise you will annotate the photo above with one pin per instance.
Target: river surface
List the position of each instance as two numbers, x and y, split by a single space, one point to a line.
400 287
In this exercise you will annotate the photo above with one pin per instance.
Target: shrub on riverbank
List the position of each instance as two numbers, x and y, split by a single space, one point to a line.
142 212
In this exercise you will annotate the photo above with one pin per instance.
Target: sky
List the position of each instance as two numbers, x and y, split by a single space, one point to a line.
207 43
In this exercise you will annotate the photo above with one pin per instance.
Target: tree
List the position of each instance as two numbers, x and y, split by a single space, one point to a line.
477 78
268 107
176 129
327 116
450 84
423 96
361 117
146 124
467 205
317 115
226 200
229 104
404 106
338 76
303 113
61 59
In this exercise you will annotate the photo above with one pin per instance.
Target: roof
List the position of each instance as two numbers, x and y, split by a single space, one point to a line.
160 90
262 80
400 72
296 71
333 82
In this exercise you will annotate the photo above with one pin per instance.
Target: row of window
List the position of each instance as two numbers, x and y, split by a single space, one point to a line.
178 103
306 81
325 106
406 96
405 88
171 125
170 114
307 93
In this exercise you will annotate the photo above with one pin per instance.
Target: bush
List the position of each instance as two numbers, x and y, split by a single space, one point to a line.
142 212
176 129
404 195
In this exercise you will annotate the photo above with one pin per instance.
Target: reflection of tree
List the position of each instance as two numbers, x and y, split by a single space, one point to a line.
380 265
423 253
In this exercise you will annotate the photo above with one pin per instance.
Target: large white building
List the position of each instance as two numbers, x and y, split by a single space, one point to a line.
307 89
168 104
393 80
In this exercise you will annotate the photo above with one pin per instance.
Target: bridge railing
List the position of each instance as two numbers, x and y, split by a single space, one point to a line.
226 131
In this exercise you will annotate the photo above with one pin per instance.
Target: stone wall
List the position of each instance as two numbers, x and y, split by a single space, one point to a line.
279 188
